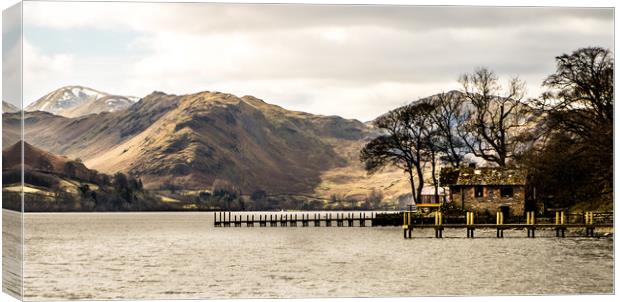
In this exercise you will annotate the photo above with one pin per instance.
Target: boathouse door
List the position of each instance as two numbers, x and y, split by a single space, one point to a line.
505 209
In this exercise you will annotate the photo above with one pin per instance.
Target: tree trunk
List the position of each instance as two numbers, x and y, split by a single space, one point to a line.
434 175
420 181
412 183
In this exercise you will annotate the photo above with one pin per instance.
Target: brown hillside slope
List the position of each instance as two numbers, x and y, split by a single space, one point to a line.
192 140
245 141
38 159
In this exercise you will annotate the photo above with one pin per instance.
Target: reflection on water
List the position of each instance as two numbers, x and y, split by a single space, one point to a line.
181 255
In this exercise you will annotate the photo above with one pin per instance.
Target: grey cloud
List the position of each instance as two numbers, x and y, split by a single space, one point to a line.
255 17
411 46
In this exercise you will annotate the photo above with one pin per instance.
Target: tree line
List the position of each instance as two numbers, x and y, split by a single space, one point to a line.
563 138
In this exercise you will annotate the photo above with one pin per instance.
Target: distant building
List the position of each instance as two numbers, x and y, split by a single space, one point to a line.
482 189
427 201
428 195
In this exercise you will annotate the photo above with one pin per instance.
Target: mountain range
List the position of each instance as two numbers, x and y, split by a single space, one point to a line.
75 101
194 140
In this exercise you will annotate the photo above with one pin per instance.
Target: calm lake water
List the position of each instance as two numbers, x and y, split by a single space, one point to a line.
181 255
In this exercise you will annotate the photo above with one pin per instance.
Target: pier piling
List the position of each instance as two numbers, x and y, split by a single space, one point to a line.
470 225
500 221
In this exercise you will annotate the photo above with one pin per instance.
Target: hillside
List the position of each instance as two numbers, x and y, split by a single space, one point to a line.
9 108
193 140
40 160
245 141
57 183
75 101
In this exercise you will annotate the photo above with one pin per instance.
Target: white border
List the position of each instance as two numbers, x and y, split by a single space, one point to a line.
563 3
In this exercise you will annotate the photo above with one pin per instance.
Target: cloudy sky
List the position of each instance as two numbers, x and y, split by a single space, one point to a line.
353 61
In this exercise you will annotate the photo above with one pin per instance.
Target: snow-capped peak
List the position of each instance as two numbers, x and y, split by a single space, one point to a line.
79 100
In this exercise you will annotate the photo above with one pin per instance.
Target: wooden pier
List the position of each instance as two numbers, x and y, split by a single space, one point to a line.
560 226
363 219
231 219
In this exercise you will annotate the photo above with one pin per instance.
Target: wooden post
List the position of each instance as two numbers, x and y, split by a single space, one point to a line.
409 218
527 218
438 222
471 222
585 218
531 217
589 221
531 220
500 221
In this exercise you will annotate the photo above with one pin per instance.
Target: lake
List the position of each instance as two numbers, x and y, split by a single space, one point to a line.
181 255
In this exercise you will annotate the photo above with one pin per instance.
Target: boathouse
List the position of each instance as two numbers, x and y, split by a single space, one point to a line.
428 195
485 189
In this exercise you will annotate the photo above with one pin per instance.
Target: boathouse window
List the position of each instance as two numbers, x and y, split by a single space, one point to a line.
478 191
506 192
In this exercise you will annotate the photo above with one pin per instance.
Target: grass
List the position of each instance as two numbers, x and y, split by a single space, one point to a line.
599 206
168 199
27 189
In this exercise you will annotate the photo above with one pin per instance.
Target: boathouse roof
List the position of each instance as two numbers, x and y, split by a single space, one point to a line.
485 176
430 191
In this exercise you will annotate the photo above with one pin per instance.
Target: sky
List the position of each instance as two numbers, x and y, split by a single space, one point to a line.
353 61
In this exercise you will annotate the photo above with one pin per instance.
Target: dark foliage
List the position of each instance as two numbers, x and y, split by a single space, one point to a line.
575 164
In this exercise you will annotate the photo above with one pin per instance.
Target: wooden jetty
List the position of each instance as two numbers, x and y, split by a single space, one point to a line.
530 225
228 219
363 219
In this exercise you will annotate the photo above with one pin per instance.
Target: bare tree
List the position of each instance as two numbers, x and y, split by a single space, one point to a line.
403 143
493 118
447 116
